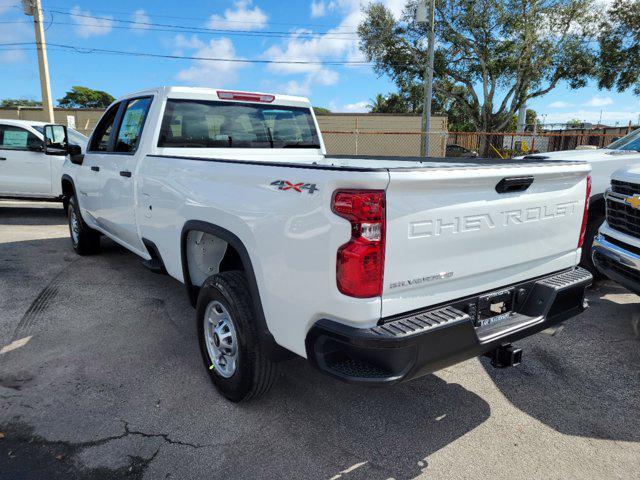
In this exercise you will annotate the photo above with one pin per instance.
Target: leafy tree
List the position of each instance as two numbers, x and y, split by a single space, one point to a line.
19 102
321 111
83 97
492 56
619 40
530 118
392 103
575 123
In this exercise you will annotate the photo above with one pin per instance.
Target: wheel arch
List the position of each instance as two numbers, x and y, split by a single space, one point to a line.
68 189
275 351
597 205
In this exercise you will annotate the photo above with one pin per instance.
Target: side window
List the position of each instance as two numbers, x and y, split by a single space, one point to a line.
131 125
16 138
102 133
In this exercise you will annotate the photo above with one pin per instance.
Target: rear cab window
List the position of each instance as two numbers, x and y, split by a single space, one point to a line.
216 124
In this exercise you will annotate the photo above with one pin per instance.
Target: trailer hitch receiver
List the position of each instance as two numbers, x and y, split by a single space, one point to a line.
505 356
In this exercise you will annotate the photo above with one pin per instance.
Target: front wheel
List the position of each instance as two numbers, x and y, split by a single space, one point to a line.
85 240
229 342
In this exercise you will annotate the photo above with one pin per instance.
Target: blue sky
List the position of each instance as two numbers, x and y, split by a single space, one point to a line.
311 30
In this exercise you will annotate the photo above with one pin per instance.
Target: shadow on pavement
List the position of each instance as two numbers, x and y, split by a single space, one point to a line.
116 385
29 213
585 381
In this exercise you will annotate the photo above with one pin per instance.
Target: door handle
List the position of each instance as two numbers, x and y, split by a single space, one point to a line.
2 158
125 173
95 169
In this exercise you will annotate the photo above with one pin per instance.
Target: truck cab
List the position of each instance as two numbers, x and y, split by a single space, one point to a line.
25 169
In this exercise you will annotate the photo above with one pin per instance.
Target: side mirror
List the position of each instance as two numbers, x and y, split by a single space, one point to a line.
55 140
75 154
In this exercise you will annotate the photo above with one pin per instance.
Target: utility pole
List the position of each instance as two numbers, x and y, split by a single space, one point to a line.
426 16
34 8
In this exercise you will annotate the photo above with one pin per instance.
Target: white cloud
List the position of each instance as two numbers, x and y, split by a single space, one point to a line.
88 27
303 87
320 8
333 45
142 19
598 101
209 73
560 104
242 17
357 107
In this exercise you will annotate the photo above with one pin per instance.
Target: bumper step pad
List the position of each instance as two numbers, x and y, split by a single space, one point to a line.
411 345
421 322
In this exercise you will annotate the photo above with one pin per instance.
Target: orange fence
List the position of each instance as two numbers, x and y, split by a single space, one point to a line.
512 143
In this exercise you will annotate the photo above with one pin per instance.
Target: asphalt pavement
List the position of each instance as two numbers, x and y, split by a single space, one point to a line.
101 378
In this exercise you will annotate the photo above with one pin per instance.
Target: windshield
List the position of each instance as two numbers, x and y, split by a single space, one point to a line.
210 124
631 141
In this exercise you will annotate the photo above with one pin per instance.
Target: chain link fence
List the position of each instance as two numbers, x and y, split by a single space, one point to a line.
384 144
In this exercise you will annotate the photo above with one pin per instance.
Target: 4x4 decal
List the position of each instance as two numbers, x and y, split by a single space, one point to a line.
295 187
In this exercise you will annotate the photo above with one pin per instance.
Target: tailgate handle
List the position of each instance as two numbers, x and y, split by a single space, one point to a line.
514 184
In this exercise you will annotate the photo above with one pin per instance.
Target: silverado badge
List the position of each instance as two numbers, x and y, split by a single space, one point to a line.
634 201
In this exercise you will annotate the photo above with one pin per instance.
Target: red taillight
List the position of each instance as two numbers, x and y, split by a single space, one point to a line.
360 262
585 215
245 96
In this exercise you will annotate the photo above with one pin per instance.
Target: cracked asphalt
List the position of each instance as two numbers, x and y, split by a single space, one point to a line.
101 378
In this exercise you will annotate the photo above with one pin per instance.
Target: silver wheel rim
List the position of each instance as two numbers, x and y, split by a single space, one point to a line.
75 227
221 339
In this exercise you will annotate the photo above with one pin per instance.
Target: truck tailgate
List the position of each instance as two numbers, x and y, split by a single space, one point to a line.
451 234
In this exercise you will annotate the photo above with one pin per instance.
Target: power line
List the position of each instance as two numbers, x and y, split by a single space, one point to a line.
199 19
202 29
210 31
89 50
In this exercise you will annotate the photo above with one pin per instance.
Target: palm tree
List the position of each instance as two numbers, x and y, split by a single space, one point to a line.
378 104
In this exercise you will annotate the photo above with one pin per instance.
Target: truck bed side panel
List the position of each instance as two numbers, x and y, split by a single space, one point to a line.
292 237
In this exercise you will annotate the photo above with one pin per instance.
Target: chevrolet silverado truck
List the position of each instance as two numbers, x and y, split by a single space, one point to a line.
377 270
616 248
25 170
622 153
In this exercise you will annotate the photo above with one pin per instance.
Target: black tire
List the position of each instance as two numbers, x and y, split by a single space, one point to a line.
593 224
254 372
87 240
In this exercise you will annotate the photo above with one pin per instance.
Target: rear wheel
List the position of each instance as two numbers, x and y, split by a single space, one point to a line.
229 342
85 240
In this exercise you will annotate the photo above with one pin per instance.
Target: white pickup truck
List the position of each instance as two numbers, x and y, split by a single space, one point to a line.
616 248
622 153
25 171
376 270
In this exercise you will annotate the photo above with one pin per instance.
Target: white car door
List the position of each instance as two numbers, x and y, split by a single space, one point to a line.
24 168
89 176
117 174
